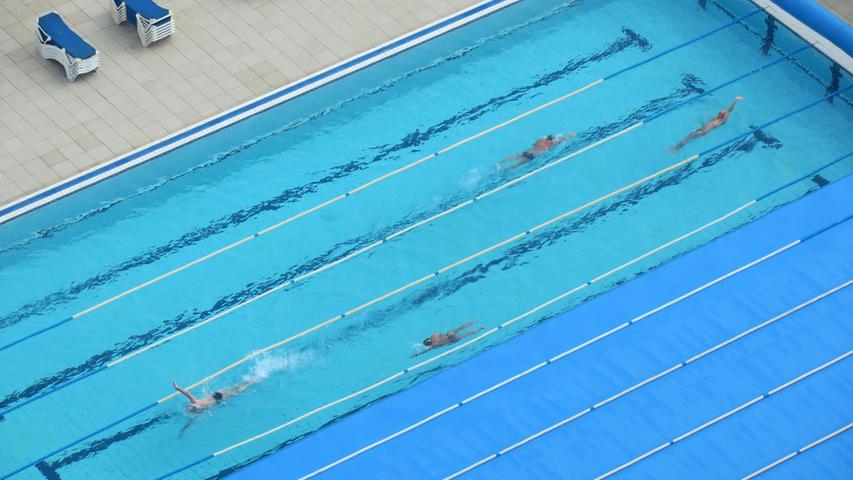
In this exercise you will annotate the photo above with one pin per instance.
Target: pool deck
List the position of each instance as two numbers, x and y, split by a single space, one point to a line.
661 407
223 54
841 9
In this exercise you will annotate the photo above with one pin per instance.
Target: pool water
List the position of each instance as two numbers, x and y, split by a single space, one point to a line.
90 246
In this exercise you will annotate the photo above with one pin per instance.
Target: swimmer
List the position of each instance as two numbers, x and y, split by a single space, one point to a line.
198 405
720 119
452 336
541 145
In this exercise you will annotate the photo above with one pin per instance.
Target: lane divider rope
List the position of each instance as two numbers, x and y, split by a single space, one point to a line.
445 353
362 187
799 451
726 415
574 349
390 237
438 215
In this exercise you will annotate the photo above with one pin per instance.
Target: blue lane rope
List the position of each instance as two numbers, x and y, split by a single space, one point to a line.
52 390
786 115
688 42
81 439
631 67
726 84
591 408
60 387
185 467
36 333
781 117
560 356
646 121
810 174
775 120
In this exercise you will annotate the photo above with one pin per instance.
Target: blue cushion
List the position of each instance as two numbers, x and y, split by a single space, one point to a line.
63 37
146 8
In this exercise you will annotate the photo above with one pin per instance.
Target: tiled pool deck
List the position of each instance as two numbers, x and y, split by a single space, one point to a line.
223 54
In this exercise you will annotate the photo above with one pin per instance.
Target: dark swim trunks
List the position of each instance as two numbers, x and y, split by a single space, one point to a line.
527 156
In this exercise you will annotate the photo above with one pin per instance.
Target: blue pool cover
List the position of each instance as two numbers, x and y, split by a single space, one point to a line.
624 429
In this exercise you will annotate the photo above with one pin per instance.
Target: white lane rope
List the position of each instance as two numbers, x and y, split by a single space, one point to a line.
793 454
430 275
333 200
726 415
556 358
642 383
373 245
513 320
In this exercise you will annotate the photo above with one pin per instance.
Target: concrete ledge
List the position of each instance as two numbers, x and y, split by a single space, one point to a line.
252 107
828 33
821 21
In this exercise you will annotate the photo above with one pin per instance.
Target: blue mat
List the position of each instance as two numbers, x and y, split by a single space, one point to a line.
658 412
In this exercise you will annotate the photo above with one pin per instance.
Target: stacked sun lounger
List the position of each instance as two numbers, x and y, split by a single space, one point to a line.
152 21
56 41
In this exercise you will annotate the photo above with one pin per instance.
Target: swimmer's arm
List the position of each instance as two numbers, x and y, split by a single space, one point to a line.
237 389
566 137
187 394
732 106
417 354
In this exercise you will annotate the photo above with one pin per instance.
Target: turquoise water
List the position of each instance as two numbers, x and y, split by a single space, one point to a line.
92 245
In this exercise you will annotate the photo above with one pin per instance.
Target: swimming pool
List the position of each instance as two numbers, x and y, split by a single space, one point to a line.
87 248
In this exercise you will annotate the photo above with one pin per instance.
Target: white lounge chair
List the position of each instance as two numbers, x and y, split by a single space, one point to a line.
152 21
56 41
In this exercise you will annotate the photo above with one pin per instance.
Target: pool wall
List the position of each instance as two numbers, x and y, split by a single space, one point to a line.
808 19
249 109
812 22
822 21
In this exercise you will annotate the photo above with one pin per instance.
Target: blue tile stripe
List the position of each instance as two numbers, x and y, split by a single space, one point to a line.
363 60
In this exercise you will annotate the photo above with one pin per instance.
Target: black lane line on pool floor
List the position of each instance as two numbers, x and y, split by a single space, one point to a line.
386 153
734 139
703 153
645 115
49 384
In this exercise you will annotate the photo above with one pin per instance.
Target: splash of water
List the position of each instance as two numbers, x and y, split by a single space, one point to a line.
268 365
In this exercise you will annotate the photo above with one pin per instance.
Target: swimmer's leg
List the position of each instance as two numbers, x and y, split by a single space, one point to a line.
693 136
461 327
467 334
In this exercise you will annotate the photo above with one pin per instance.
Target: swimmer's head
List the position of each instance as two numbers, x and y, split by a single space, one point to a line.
217 396
427 342
551 137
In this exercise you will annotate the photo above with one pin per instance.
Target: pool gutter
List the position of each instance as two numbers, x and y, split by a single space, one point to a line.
817 25
252 107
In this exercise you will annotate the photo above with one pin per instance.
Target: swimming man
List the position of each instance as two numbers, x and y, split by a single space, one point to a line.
540 146
720 119
452 336
198 405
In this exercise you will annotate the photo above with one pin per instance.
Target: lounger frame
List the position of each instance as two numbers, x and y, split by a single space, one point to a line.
147 28
73 66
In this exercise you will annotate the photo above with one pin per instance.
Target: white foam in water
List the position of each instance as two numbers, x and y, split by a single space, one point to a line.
473 177
418 348
268 364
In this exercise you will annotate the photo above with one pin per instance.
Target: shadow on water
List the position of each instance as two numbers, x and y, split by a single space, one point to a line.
51 302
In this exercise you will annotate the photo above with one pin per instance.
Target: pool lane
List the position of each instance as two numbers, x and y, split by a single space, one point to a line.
671 406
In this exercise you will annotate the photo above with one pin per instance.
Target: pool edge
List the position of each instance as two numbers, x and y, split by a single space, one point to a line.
209 125
813 23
